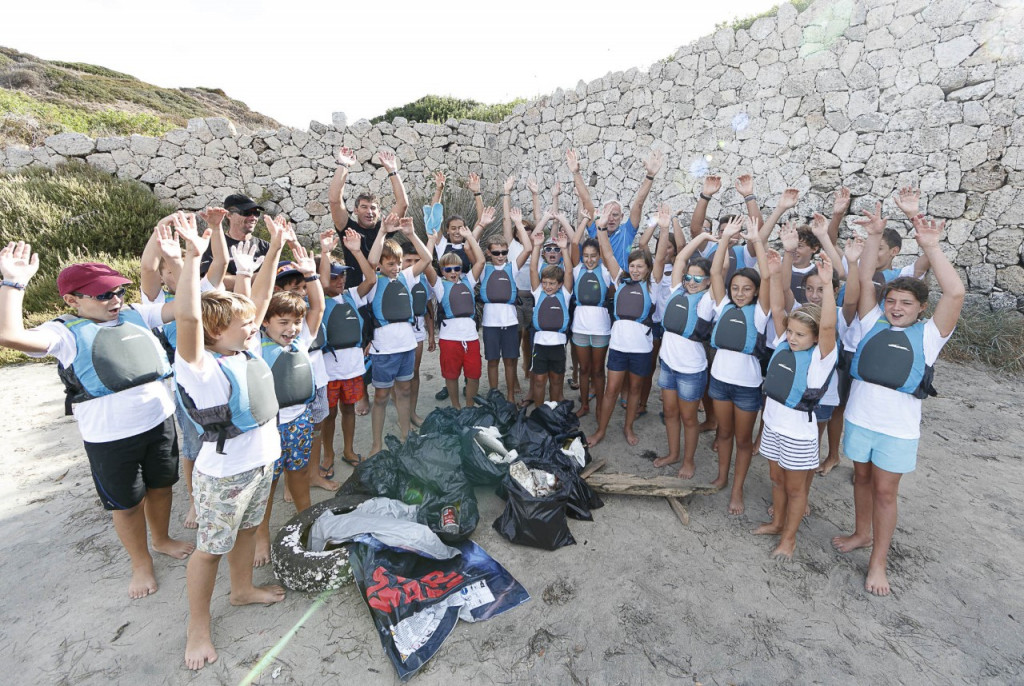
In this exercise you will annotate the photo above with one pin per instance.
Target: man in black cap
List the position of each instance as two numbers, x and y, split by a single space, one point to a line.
243 214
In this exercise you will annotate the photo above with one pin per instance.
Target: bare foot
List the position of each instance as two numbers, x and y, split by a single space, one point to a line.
143 581
594 439
288 495
845 544
686 471
784 551
199 650
190 516
707 426
771 510
666 461
583 411
416 420
767 529
736 504
757 447
317 481
374 449
262 555
631 437
172 547
877 582
363 406
828 465
258 595
720 483
714 445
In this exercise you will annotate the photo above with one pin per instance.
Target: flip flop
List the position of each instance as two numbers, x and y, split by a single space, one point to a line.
354 463
524 403
415 423
623 403
640 414
327 473
574 384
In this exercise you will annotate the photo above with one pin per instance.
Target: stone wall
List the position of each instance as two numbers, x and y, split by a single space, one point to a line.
872 94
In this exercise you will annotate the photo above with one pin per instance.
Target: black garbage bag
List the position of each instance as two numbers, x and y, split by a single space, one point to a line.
439 420
581 498
555 421
453 515
448 504
382 474
502 413
479 469
525 438
536 521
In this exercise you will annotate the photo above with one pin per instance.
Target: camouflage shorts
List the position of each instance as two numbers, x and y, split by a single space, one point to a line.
229 503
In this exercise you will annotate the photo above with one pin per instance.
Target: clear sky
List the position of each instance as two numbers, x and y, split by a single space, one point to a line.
302 60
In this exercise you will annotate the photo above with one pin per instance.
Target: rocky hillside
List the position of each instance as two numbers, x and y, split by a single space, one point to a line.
39 98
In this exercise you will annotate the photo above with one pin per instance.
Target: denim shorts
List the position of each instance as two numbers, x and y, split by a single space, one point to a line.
634 363
745 398
389 368
586 340
689 387
897 455
823 413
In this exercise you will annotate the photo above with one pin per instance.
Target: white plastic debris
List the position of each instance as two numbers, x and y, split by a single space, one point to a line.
575 451
536 482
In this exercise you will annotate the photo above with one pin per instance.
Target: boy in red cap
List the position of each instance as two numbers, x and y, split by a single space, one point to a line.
112 366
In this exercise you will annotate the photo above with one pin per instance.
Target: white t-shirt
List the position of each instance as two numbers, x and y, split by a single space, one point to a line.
515 249
549 337
664 289
798 424
119 415
629 336
347 363
458 328
502 314
161 297
209 387
733 367
680 353
886 410
393 338
592 320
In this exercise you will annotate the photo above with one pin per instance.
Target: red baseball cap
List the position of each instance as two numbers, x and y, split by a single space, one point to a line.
89 278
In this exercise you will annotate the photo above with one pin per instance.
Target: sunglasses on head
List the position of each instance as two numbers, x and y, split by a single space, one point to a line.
254 212
499 253
552 248
695 279
456 268
109 295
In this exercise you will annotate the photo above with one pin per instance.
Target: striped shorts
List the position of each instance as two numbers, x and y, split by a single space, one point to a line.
791 454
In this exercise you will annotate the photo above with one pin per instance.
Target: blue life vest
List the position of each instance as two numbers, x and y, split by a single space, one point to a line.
735 330
551 312
292 370
632 302
894 358
786 379
497 285
681 318
420 296
590 288
341 326
109 359
457 300
736 259
251 404
392 301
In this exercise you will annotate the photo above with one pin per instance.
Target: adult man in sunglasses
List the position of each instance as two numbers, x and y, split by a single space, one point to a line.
243 214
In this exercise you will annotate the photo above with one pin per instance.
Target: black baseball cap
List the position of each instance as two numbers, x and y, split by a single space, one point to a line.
239 203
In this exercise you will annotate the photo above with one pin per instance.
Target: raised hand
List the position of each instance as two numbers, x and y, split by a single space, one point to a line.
537 237
406 226
167 242
664 216
439 180
873 223
752 224
584 214
516 215
388 160
853 249
17 263
787 200
328 241
712 184
245 258
303 261
531 184
819 227
474 182
825 268
287 230
185 225
465 232
390 224
774 262
487 216
745 185
653 162
841 202
213 216
572 161
927 232
732 228
346 157
561 240
790 238
353 241
277 228
510 183
908 199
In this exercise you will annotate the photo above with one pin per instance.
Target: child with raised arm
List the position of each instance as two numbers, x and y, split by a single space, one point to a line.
883 417
219 371
741 315
552 291
798 375
687 317
128 434
591 323
393 348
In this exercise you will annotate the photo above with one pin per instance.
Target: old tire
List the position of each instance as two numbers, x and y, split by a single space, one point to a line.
301 569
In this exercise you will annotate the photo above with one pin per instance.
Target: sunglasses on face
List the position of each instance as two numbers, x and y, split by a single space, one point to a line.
109 295
499 253
254 212
695 279
552 248
448 270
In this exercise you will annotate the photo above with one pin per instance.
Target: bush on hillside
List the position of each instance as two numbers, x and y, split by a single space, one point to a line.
437 109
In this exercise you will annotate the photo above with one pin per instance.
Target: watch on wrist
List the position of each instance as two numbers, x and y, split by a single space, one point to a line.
704 197
310 279
394 173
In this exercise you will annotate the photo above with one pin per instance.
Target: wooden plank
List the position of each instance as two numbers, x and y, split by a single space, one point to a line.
592 467
680 510
658 486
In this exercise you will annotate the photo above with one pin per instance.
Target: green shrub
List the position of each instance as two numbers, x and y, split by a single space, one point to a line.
437 109
95 70
995 338
747 22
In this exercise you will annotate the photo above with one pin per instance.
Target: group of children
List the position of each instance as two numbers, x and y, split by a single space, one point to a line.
256 357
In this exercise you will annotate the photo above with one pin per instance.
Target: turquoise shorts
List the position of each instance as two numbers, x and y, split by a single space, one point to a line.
896 455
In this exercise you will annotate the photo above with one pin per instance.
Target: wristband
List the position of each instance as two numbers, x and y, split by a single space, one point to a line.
310 279
239 272
602 228
650 178
13 284
503 195
704 197
477 194
748 198
394 173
